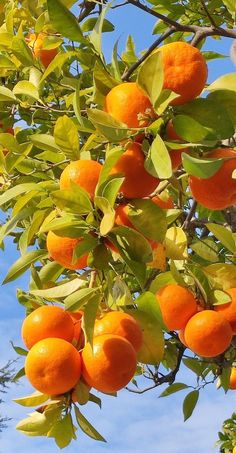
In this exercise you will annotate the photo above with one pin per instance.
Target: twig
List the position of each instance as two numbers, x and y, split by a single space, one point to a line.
208 14
190 215
92 279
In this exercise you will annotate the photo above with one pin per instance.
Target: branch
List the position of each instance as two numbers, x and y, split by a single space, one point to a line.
190 215
208 14
129 71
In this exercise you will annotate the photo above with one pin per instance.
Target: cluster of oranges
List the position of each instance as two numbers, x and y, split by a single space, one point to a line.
58 356
207 333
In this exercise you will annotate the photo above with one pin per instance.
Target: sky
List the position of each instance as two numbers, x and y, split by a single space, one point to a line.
130 423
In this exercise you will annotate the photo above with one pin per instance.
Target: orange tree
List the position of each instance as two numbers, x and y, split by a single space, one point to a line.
118 184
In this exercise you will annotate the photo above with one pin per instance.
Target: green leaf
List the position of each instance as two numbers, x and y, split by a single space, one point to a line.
227 99
23 263
202 168
86 426
176 243
220 297
110 189
19 374
225 378
82 392
75 301
85 246
45 142
151 76
6 63
22 51
89 24
131 244
63 19
36 399
90 314
57 63
158 162
61 290
103 80
112 156
108 219
192 131
201 281
95 400
67 137
75 200
206 249
63 431
163 279
145 216
108 126
129 56
25 88
225 82
173 388
96 35
221 275
231 6
38 424
19 350
224 235
68 225
189 403
194 365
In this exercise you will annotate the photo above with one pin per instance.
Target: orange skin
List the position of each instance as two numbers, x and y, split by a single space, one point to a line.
53 366
122 324
177 305
84 173
125 102
232 379
175 154
229 310
208 333
219 191
163 204
8 130
138 182
46 322
78 332
181 337
185 71
61 249
110 365
35 42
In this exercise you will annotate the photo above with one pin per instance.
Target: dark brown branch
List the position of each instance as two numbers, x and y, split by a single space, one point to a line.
86 9
208 14
190 215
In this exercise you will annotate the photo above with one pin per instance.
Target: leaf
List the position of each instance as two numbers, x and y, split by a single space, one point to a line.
6 63
62 431
23 263
96 35
75 301
89 24
220 297
45 142
19 374
108 126
18 190
201 280
85 246
176 243
158 162
63 19
231 6
145 216
192 131
82 392
103 80
224 235
151 76
66 137
25 88
57 63
6 95
225 82
202 168
131 244
163 279
19 350
86 426
38 424
90 313
206 249
189 403
173 388
60 291
227 99
221 275
75 200
112 156
22 51
36 399
108 219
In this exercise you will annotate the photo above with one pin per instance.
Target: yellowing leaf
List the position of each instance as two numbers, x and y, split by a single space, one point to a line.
159 257
221 275
176 244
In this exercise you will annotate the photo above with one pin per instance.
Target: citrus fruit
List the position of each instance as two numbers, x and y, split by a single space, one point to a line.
208 333
122 324
110 365
165 202
138 182
177 305
213 192
53 366
84 173
35 42
229 310
232 379
61 249
129 104
46 322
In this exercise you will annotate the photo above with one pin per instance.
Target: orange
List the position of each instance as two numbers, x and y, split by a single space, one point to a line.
234 450
229 310
8 130
76 318
163 204
177 305
53 366
84 173
121 217
208 333
232 379
129 104
185 71
35 42
122 324
138 182
110 365
181 337
61 249
47 321
175 154
218 191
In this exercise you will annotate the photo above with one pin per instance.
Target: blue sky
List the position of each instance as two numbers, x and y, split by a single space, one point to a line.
130 423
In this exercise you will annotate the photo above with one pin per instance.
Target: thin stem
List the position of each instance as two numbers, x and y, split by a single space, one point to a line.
93 279
190 215
208 14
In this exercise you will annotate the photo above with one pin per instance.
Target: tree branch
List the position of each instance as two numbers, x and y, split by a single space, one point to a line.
190 215
208 14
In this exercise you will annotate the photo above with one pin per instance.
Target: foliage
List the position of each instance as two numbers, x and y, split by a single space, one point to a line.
6 378
57 115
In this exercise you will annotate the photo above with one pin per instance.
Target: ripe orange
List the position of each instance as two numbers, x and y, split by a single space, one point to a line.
61 249
84 173
53 366
121 217
181 337
185 70
177 305
122 324
110 365
229 310
46 322
129 104
76 318
208 333
232 379
213 192
138 182
164 204
8 130
175 154
35 42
